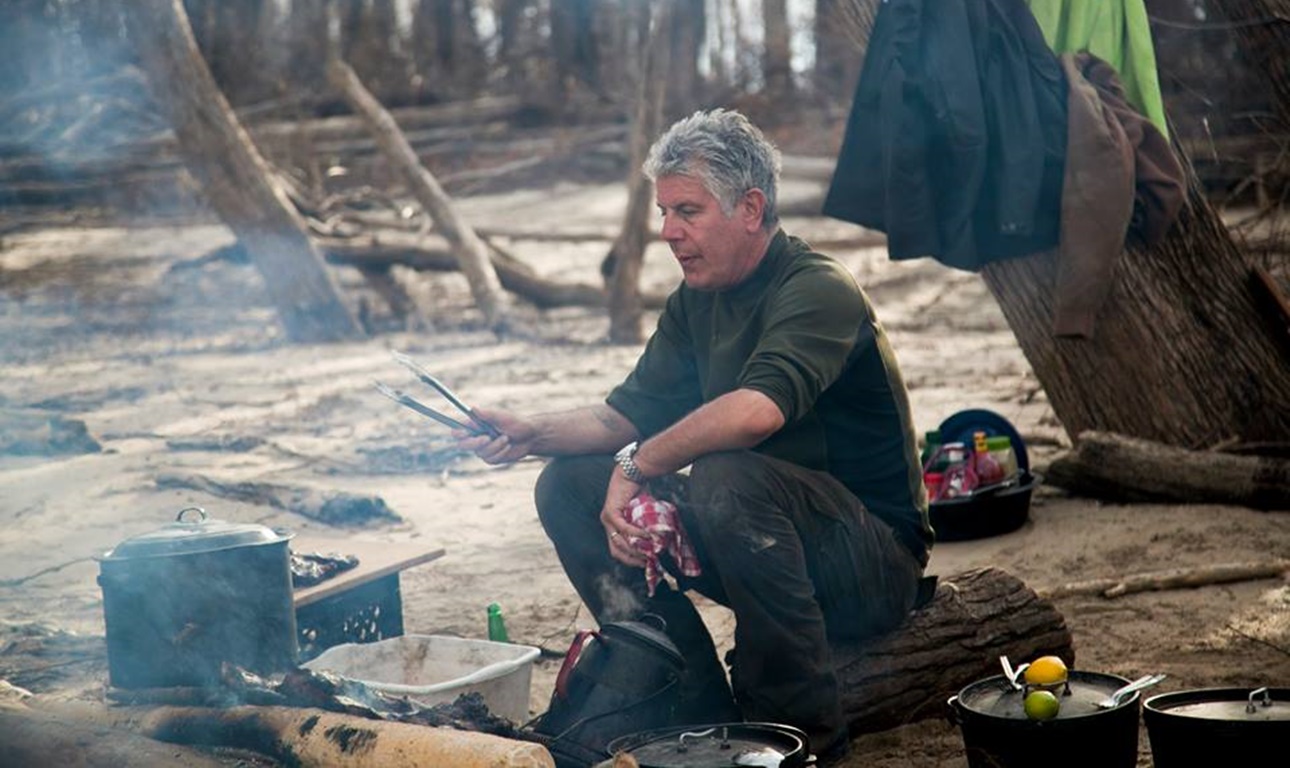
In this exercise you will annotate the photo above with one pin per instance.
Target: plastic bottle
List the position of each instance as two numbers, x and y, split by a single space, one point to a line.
959 477
986 466
931 443
1001 449
496 624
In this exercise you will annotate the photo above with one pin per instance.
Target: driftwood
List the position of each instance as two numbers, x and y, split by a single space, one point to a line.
975 617
331 507
1174 578
432 253
1110 466
314 738
469 250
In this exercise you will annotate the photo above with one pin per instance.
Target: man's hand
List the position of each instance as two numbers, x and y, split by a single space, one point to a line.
613 518
515 442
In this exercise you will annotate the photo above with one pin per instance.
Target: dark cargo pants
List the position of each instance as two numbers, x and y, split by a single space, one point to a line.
790 551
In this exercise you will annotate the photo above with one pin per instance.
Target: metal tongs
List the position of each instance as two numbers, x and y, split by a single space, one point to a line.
477 426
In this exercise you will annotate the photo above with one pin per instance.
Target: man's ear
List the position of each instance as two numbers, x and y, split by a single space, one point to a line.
752 209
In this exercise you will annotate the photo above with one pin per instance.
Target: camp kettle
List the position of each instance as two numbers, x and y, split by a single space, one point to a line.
620 679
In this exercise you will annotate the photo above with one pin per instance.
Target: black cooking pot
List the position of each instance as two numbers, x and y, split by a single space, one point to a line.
1217 726
717 746
181 600
621 679
998 734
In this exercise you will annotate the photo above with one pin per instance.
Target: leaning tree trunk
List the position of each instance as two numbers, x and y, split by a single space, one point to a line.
237 182
1182 354
628 251
471 253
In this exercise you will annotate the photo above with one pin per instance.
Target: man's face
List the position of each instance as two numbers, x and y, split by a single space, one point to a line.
715 251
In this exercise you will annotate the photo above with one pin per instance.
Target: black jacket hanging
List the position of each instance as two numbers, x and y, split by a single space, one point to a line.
957 134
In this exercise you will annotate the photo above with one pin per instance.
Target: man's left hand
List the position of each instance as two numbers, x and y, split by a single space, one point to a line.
612 516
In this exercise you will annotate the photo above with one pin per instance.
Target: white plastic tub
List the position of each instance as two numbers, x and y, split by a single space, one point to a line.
434 669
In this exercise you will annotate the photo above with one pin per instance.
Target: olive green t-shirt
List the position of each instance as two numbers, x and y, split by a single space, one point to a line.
802 332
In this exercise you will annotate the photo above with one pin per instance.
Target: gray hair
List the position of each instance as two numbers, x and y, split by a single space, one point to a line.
723 150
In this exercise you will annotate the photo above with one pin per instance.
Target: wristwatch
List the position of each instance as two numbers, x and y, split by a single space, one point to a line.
626 459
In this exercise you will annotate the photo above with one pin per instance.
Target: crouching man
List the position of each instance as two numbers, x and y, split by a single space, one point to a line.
770 379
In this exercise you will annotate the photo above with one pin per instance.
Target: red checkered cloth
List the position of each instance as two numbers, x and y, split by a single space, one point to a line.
661 520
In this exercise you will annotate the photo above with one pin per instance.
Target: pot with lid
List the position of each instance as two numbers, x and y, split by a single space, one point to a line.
997 733
181 600
1217 726
768 745
621 679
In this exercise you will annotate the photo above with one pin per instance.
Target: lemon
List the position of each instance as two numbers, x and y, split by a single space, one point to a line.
1046 670
1041 705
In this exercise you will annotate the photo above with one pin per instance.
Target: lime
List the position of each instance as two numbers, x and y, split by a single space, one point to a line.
1041 705
1046 670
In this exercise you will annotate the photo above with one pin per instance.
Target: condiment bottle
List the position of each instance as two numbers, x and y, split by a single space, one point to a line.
1000 447
933 481
987 467
496 625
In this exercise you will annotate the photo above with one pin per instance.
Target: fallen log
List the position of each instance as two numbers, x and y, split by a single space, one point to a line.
1173 578
1109 466
315 738
431 253
43 433
30 737
331 507
974 618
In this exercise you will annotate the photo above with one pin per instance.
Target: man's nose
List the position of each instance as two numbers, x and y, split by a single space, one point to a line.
671 229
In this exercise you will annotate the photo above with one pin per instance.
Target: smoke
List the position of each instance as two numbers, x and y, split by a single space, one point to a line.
618 602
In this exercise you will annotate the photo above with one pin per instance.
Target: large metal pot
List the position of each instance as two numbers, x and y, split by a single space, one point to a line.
998 734
1217 726
180 601
717 746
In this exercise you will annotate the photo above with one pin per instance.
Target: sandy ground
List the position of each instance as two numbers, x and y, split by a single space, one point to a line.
105 325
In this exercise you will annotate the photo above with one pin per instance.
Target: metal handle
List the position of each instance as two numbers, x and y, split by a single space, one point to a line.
179 518
570 659
1250 708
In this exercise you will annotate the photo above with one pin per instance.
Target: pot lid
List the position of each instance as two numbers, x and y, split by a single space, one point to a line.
1078 696
194 532
1230 704
716 746
643 633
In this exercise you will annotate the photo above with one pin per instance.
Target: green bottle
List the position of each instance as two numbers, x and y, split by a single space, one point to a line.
496 624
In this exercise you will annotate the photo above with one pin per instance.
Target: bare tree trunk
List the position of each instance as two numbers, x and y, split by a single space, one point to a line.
515 42
446 49
1182 354
1264 28
306 56
235 178
470 251
372 49
776 54
688 29
573 45
628 251
840 26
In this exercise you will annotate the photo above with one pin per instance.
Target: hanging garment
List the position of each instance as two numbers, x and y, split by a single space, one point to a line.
1117 32
957 134
1122 181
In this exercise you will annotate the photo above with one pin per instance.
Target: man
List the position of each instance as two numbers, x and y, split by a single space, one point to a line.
770 378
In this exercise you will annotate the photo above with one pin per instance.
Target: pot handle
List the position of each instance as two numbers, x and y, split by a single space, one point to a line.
570 659
952 710
179 518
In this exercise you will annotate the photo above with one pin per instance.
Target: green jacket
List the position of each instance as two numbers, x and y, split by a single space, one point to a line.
802 332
